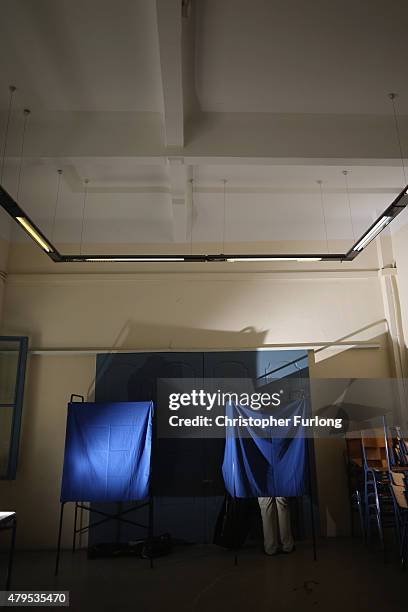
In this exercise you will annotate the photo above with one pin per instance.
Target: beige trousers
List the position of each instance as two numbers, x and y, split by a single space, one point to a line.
276 522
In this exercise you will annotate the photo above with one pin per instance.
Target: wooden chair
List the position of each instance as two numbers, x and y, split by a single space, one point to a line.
399 491
378 503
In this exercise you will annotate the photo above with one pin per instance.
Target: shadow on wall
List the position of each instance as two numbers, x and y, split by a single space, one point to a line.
332 360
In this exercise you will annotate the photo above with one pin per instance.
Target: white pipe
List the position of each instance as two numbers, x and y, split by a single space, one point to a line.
284 347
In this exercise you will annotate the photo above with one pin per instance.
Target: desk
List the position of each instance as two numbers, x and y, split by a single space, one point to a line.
8 520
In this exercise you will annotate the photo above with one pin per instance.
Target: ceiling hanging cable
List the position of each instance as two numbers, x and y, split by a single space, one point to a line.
392 97
17 212
83 214
12 91
191 216
224 222
320 183
20 168
345 174
56 204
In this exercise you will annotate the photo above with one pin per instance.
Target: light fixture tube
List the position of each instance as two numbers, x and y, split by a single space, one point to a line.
266 258
34 234
309 259
135 259
374 231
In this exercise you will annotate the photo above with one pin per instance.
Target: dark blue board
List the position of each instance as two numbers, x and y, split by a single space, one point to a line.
187 474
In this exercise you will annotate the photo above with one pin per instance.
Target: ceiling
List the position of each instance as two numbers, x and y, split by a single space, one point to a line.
129 202
94 55
264 56
280 56
262 99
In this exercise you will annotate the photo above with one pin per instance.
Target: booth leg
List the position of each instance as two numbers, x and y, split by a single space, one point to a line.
235 529
59 539
404 546
151 529
75 528
11 554
312 515
312 518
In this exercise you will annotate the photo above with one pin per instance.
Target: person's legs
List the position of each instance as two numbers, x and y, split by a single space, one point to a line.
285 530
269 524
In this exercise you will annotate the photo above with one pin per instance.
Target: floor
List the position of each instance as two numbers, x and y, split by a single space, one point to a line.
346 576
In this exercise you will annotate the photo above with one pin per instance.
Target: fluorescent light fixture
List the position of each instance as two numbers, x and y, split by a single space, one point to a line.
34 234
267 258
372 233
12 208
113 259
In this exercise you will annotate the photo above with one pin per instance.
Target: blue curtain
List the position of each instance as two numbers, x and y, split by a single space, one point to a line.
107 452
259 464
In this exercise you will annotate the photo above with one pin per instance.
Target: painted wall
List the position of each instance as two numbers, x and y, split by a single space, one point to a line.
3 268
4 253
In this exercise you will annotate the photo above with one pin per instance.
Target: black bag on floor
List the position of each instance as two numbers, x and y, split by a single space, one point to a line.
233 522
157 547
146 549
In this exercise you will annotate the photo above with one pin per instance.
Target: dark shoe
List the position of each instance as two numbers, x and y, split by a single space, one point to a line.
287 552
272 554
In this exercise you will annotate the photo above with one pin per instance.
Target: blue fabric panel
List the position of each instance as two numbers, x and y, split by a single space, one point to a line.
107 452
266 466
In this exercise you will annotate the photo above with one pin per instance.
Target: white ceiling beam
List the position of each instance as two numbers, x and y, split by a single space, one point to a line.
169 26
217 137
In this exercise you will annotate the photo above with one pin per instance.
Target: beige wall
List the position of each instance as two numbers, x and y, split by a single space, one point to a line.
176 311
192 310
4 247
35 492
